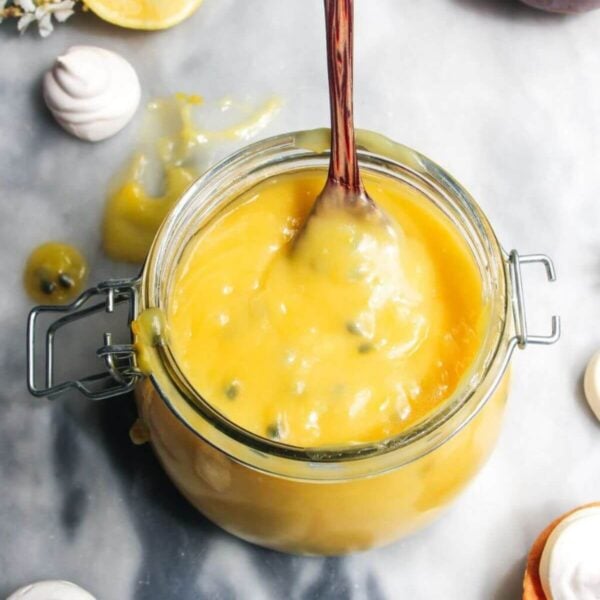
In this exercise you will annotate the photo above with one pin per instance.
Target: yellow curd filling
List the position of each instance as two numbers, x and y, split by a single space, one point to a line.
330 337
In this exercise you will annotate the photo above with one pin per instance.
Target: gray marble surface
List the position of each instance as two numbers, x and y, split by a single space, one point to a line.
505 98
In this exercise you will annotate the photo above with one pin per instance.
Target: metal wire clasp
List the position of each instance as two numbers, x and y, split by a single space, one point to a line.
121 374
523 337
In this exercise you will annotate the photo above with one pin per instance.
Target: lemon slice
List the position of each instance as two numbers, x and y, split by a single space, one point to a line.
143 14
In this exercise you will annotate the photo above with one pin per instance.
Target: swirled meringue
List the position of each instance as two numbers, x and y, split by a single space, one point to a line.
92 92
570 563
51 590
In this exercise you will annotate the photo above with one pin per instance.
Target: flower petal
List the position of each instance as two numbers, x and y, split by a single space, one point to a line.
25 21
45 26
62 15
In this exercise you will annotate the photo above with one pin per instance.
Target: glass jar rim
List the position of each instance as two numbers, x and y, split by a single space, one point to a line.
260 161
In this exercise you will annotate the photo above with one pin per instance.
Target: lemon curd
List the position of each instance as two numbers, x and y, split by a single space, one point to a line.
175 148
55 273
331 337
341 390
320 339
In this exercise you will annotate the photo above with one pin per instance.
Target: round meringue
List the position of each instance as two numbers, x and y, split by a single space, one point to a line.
92 92
570 563
51 590
591 384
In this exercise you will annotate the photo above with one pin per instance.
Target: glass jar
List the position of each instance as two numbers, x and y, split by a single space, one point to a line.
330 500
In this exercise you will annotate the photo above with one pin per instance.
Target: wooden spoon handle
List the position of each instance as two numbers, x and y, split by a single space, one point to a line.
343 168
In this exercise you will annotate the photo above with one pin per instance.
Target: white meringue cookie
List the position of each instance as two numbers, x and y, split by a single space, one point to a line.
51 590
570 563
92 92
591 384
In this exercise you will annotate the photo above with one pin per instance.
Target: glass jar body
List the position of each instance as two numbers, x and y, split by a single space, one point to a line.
318 517
334 500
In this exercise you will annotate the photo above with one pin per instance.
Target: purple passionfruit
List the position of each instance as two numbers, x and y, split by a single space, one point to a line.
564 6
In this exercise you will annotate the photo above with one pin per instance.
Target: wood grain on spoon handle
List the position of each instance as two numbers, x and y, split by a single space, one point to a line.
343 168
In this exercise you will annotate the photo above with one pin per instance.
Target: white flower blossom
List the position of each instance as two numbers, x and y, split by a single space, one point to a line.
61 10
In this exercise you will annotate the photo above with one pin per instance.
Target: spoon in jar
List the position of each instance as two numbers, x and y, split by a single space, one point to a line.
344 189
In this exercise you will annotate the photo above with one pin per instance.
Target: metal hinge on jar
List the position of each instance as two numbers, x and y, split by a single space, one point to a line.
522 336
121 373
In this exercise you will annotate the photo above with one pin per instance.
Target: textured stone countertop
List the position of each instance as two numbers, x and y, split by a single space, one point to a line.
506 98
